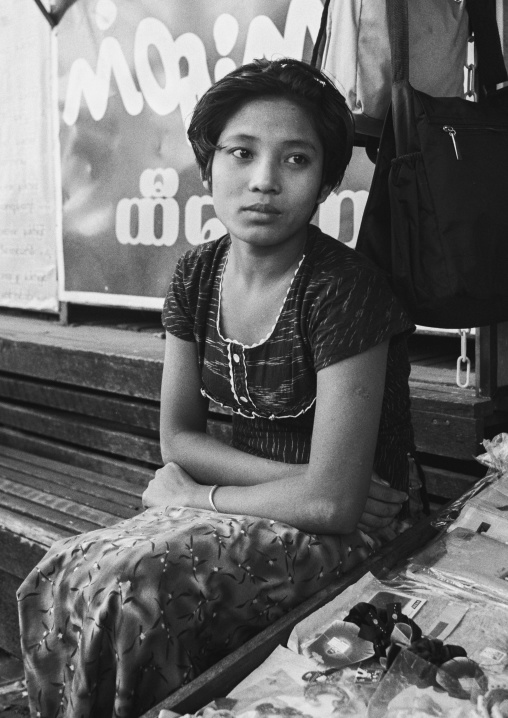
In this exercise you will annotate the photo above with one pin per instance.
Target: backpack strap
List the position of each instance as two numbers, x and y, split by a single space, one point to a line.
491 66
319 46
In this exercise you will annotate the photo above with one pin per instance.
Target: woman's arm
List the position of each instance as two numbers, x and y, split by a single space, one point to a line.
328 495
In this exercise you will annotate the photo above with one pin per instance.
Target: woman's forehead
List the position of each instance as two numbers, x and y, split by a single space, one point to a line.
279 118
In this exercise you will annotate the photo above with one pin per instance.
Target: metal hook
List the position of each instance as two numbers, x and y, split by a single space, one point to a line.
463 359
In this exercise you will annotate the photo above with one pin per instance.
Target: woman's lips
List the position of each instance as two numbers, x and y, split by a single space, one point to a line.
261 208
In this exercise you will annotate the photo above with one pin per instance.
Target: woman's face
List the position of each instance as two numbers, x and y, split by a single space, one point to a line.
267 173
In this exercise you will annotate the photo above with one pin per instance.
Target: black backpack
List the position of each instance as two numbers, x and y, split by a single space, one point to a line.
436 220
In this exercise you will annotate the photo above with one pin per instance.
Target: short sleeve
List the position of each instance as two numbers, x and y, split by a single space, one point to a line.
177 317
353 313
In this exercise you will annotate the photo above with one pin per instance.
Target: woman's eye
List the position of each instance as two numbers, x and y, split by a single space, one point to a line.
241 153
297 160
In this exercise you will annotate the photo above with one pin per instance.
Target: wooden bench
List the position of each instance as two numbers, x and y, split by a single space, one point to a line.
79 438
79 431
41 501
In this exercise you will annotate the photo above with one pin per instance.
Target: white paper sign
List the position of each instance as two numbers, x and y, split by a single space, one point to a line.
27 160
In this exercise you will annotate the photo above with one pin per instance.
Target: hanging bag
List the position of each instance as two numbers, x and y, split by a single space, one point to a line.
436 219
354 50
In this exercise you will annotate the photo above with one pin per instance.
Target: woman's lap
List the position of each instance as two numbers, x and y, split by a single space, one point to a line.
115 620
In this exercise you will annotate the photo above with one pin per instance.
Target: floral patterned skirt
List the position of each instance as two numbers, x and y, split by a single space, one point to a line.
115 620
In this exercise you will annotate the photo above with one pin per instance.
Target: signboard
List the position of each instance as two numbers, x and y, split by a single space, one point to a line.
130 75
28 211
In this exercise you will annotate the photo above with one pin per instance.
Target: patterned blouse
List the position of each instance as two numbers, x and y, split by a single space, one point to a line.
338 305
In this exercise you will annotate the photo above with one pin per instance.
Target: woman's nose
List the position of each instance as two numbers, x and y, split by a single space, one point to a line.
265 176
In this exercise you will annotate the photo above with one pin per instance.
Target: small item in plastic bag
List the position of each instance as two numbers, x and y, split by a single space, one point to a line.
410 690
369 676
338 645
496 456
496 460
410 605
466 559
492 659
462 678
494 704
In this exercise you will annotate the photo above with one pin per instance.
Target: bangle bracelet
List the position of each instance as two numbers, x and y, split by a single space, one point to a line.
210 498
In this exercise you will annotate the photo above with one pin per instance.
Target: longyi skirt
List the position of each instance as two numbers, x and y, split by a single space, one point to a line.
115 620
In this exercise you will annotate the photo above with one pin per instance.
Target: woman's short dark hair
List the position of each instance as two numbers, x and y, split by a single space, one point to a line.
287 78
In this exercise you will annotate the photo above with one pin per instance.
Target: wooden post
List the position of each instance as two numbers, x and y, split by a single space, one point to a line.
486 354
63 311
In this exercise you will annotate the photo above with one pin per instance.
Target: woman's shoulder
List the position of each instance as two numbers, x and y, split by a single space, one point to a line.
333 263
191 286
343 283
202 258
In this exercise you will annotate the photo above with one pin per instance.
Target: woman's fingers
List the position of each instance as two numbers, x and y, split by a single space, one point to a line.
382 509
382 506
378 514
161 487
369 522
381 491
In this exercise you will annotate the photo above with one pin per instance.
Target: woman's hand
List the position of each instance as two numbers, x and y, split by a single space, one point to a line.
171 486
383 505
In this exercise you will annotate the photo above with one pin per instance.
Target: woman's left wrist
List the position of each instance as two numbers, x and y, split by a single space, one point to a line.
199 498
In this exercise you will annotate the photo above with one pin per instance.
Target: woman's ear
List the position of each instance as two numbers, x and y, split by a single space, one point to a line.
323 193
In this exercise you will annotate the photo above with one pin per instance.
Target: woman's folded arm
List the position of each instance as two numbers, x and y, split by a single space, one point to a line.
327 495
184 441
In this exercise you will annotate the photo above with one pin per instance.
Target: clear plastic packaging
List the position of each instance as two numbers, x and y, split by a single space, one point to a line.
496 461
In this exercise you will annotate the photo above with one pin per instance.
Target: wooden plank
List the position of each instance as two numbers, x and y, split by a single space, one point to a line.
486 356
123 476
62 490
73 429
40 497
130 477
438 374
134 413
502 344
28 528
138 414
227 673
113 360
9 625
430 357
96 486
447 484
439 433
25 507
19 555
448 399
447 435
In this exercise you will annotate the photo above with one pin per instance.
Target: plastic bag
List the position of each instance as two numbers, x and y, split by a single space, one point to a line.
496 461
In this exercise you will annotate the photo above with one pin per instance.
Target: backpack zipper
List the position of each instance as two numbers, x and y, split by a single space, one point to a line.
451 131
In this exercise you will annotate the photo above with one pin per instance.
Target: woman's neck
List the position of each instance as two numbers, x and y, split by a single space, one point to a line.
252 264
254 285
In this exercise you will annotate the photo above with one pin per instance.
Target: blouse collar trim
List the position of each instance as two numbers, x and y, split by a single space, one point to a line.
227 340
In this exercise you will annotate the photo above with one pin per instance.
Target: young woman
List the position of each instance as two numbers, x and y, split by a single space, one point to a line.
303 340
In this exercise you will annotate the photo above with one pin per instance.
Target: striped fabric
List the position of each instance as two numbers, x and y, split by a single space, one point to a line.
338 306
